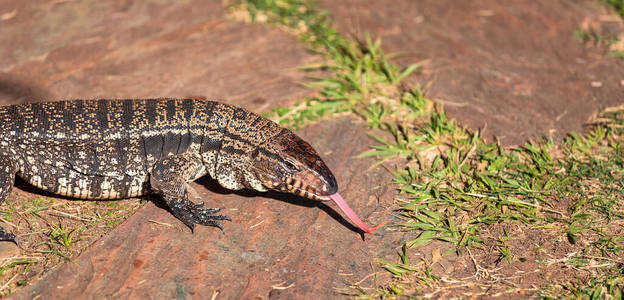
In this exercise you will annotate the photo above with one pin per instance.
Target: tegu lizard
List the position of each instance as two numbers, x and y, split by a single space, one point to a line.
111 149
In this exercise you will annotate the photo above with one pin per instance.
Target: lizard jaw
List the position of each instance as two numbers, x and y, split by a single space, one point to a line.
337 199
296 187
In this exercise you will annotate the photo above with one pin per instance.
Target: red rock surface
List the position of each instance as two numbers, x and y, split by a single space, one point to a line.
53 50
516 66
276 245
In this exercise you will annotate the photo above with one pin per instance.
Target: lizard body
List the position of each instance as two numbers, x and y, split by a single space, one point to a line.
110 149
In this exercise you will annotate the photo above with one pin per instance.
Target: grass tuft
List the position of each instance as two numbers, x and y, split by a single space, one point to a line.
618 5
359 72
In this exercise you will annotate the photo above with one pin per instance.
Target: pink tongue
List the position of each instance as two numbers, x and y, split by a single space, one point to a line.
352 216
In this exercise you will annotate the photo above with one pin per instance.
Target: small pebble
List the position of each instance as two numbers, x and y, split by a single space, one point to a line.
485 13
8 15
596 83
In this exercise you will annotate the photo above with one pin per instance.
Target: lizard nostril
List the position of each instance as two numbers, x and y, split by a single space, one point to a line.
331 186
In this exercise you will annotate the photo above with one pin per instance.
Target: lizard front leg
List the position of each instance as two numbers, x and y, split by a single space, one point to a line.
8 169
170 178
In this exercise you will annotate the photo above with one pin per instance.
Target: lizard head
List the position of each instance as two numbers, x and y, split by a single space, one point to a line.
289 164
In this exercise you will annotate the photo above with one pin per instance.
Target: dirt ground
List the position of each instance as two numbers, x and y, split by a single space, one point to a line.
513 65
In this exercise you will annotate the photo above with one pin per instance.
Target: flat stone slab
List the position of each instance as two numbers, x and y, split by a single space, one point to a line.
516 66
276 246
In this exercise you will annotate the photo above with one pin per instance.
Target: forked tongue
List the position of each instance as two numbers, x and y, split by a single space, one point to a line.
352 216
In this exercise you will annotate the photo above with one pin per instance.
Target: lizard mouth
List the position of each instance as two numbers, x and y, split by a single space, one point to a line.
297 187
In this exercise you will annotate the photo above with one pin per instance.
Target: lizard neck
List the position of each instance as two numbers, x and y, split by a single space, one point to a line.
230 135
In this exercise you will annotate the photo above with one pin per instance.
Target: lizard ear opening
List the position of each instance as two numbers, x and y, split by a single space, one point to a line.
254 154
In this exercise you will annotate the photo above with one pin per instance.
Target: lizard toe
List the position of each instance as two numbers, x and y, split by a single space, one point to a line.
214 223
207 215
184 214
191 214
188 220
207 211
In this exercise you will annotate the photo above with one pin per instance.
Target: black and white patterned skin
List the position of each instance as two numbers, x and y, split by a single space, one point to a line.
111 149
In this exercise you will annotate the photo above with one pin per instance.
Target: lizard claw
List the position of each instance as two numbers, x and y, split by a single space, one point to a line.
208 217
198 215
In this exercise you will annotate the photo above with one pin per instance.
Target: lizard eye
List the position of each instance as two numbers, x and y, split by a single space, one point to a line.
291 166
